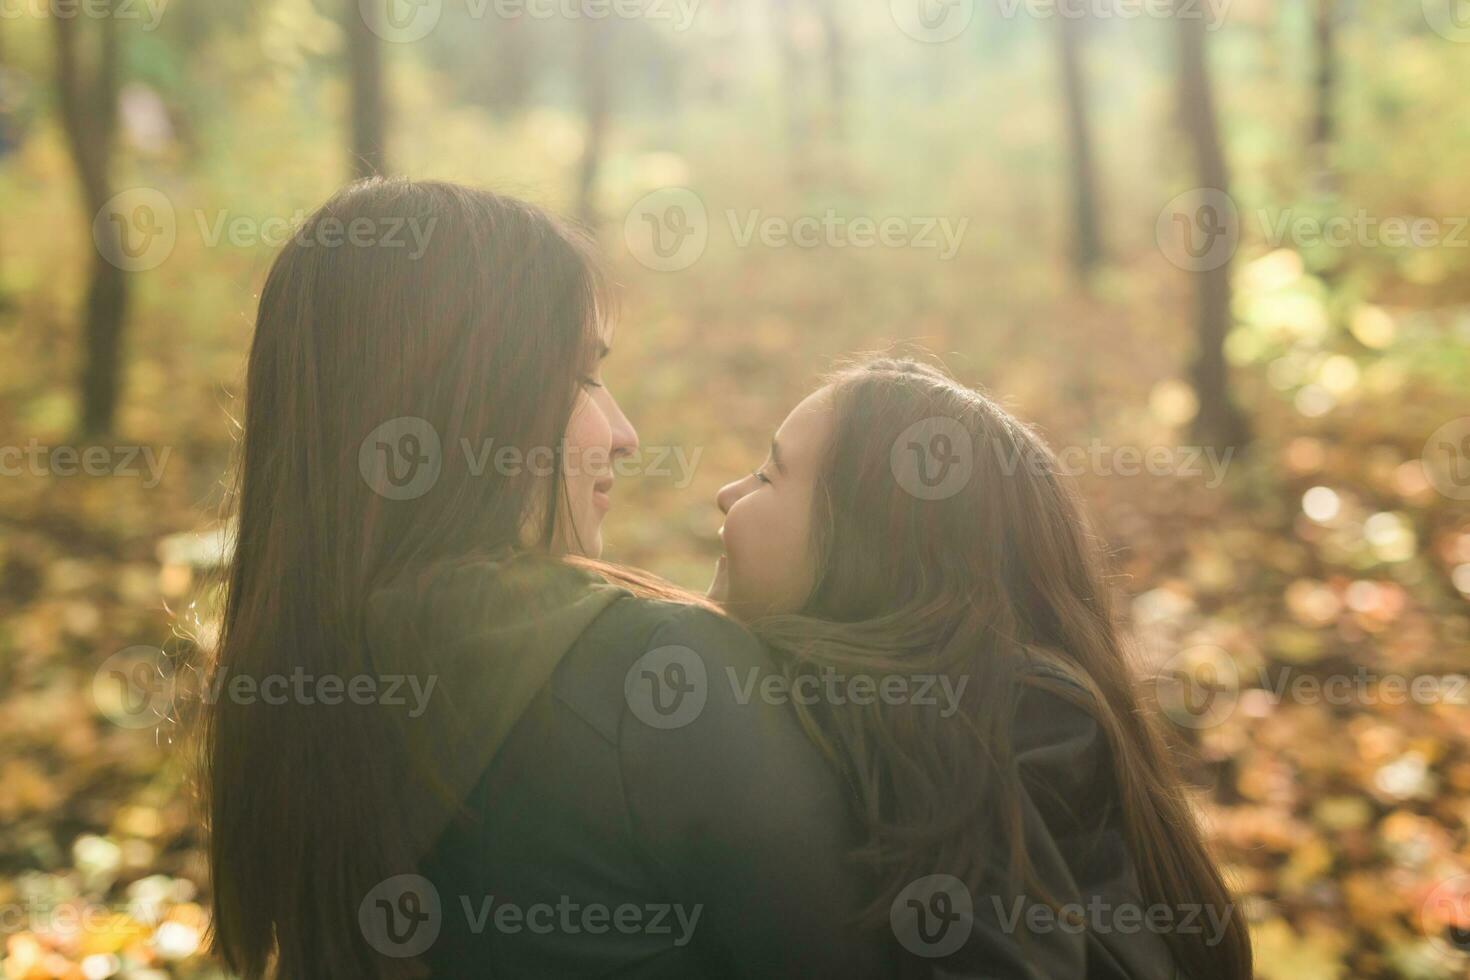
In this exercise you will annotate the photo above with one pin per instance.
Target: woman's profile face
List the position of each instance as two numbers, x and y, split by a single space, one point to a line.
597 434
768 566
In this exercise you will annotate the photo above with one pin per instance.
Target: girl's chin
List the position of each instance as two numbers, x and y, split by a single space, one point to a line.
719 589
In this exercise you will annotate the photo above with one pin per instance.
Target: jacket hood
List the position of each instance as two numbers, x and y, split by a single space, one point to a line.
487 633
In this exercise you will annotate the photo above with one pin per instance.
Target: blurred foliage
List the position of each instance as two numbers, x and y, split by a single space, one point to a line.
1324 551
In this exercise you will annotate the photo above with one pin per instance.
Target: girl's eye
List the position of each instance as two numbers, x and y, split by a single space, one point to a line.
761 476
592 382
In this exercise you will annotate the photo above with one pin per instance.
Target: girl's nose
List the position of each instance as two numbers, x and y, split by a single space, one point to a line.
624 436
730 493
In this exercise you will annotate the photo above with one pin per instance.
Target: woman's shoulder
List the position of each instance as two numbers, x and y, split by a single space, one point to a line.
655 658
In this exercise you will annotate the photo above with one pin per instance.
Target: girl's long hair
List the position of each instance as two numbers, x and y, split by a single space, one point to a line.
970 579
370 361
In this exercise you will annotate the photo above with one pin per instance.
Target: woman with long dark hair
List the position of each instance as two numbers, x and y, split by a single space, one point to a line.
445 737
1022 816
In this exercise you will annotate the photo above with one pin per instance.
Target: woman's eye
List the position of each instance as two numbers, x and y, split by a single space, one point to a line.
592 382
761 476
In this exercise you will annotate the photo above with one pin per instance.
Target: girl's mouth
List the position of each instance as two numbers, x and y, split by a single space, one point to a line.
601 491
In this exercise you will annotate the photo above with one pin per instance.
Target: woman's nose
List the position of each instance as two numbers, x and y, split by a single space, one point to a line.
624 436
730 493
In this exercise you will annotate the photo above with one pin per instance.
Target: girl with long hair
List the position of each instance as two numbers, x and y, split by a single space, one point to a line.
908 532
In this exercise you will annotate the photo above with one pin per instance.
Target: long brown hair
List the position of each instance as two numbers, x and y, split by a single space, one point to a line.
485 335
972 581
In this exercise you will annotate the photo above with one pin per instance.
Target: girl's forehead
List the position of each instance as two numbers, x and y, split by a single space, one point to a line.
806 429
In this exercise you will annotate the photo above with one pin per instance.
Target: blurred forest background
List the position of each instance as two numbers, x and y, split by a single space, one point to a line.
1176 227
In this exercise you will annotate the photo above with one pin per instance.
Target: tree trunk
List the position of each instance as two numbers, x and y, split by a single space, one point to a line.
365 72
1323 117
4 149
88 101
596 83
793 89
1219 421
1087 247
1326 72
835 52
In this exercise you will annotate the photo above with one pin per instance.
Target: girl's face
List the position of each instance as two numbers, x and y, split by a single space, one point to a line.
768 566
597 434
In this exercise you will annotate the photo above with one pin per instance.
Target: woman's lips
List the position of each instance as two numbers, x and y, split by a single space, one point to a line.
601 491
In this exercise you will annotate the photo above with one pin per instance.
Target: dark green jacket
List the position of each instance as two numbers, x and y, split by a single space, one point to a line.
605 793
624 813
